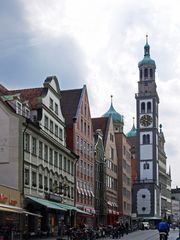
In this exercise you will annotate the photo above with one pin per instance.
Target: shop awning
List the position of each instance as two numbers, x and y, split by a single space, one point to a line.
47 203
10 208
14 209
70 207
33 214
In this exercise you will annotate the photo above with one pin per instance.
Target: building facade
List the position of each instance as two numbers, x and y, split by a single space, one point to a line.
80 138
164 179
146 192
43 167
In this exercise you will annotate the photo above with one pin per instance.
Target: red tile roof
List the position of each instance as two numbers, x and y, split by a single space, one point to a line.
33 95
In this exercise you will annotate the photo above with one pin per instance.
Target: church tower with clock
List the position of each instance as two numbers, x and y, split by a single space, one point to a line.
146 191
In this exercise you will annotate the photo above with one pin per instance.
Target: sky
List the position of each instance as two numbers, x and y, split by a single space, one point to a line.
98 43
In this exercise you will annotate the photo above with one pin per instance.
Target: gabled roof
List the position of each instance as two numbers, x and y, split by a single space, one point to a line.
101 123
69 104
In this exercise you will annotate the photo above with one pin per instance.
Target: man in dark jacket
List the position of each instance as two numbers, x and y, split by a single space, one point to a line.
163 227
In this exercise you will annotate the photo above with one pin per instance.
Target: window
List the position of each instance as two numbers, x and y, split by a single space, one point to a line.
146 165
34 179
149 107
111 137
34 147
50 185
141 74
55 159
40 149
65 167
46 183
60 161
112 153
27 142
46 153
151 73
146 139
26 177
145 72
68 166
142 107
51 156
51 126
27 113
51 103
19 108
56 130
77 142
61 133
81 125
56 108
40 181
46 122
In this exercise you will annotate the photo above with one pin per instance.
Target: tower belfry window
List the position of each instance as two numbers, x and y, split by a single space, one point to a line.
151 73
145 72
141 74
149 107
142 107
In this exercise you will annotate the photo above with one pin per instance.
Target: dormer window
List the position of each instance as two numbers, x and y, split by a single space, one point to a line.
19 108
27 113
51 103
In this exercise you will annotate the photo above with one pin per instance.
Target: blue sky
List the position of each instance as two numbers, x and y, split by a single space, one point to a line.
97 43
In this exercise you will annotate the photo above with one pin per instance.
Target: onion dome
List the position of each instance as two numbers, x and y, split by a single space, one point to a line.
147 59
115 115
132 132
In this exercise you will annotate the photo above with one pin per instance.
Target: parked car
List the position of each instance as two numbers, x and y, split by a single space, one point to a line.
146 225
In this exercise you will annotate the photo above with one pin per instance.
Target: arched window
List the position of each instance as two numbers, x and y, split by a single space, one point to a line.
141 74
149 107
151 73
145 72
142 107
146 139
146 166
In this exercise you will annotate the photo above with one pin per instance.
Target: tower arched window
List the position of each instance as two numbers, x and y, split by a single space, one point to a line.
145 72
146 139
149 107
143 107
151 73
141 74
146 166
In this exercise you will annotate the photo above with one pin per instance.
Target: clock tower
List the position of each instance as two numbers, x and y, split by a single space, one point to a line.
146 192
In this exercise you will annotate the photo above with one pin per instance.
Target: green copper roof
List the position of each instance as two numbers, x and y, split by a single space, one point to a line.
115 115
147 59
132 132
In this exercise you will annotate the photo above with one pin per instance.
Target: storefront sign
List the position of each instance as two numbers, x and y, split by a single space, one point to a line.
4 199
54 197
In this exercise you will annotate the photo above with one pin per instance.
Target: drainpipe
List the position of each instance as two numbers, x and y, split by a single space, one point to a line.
22 183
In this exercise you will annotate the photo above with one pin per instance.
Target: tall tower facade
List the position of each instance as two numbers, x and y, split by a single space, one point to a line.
146 195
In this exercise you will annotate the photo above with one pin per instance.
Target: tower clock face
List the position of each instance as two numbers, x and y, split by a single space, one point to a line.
146 120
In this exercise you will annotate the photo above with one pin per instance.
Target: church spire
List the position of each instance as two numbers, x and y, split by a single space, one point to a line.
146 48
